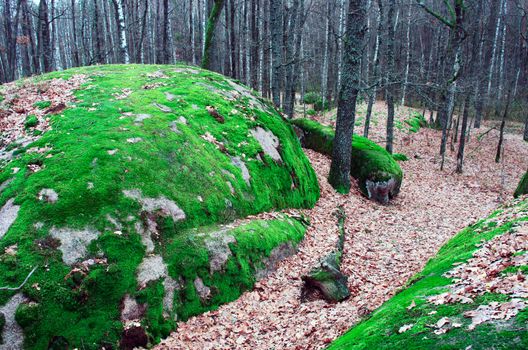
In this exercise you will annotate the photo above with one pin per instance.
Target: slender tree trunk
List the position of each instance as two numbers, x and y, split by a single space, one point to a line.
216 11
290 61
165 33
266 51
389 84
376 69
120 24
339 176
276 49
503 124
408 56
232 39
44 42
462 143
525 136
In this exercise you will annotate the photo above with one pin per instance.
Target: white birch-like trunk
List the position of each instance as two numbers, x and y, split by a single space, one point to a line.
501 61
494 51
408 58
122 34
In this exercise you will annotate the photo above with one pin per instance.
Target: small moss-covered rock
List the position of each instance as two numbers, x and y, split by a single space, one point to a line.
379 175
42 104
124 206
400 157
522 188
31 121
328 279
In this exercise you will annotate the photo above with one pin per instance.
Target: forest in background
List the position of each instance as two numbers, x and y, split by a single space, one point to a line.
284 48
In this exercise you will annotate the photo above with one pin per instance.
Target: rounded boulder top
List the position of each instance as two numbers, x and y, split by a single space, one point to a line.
121 190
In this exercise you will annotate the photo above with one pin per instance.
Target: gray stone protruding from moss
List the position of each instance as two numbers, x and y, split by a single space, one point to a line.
4 184
141 117
146 237
203 291
8 215
12 334
160 204
152 268
131 310
163 108
218 246
239 163
269 143
171 286
73 242
48 195
278 254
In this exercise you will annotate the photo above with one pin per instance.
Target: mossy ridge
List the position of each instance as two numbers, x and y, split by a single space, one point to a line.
178 165
370 162
522 188
380 330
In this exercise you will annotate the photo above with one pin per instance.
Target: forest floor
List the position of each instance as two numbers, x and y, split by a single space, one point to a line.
385 245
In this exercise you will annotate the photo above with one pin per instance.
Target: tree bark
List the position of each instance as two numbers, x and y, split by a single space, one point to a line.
216 11
389 84
276 49
44 42
339 176
462 143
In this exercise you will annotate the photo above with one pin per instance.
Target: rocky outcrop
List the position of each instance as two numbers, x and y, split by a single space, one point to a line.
131 204
379 176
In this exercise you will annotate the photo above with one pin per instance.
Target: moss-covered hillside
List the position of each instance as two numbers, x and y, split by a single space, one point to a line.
472 295
118 207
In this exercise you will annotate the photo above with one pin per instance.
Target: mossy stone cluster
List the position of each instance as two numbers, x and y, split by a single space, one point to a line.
416 122
522 188
379 175
123 207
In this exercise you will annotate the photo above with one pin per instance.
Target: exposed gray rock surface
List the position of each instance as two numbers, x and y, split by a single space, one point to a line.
268 141
73 242
8 215
12 334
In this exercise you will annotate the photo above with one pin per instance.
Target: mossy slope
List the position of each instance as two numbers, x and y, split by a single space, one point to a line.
139 163
371 163
383 330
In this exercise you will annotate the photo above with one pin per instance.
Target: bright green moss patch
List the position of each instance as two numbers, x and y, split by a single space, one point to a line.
140 172
42 104
400 157
31 121
382 329
416 122
522 188
371 163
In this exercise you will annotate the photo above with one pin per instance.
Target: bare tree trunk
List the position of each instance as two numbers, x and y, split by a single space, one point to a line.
462 143
376 69
119 19
408 57
389 84
339 176
44 42
525 136
165 33
266 51
503 124
216 11
289 98
276 49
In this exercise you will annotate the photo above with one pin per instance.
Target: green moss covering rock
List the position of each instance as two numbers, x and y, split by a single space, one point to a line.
379 175
42 104
122 205
31 121
429 313
522 188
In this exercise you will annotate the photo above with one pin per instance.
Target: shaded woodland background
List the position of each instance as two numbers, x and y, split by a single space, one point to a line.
284 48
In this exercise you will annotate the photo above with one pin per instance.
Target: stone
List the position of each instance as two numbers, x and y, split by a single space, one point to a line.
134 140
8 215
269 143
12 333
170 286
133 337
152 268
73 243
239 163
131 310
4 184
327 279
217 245
141 117
170 97
163 108
271 263
161 204
48 195
382 191
203 291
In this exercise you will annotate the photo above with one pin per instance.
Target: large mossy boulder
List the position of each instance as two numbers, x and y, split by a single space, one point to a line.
522 188
126 205
379 175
